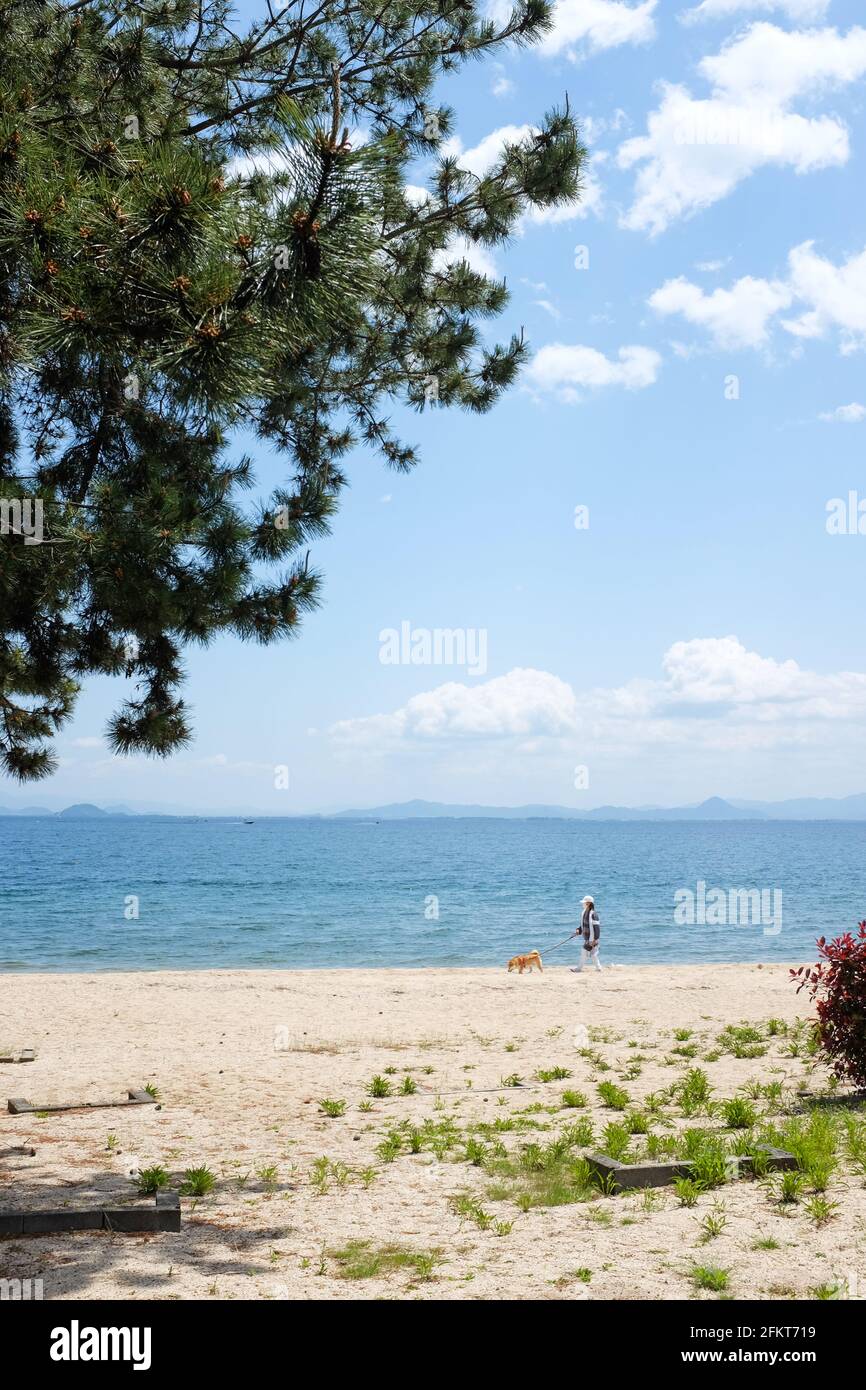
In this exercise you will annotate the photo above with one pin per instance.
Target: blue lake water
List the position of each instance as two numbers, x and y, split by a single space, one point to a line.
301 893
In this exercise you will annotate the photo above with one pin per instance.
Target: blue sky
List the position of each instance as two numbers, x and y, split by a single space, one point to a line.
699 387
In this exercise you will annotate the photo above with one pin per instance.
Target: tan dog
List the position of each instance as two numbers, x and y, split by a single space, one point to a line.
521 963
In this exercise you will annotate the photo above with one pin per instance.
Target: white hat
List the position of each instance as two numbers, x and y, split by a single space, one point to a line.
587 899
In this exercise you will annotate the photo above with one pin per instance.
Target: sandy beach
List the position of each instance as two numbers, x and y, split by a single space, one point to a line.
307 1205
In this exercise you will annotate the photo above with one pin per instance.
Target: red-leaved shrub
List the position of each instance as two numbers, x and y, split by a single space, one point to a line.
838 985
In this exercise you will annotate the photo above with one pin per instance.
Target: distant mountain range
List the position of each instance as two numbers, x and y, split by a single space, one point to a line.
800 808
715 809
83 810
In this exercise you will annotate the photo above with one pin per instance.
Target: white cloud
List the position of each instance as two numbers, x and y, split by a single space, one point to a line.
478 258
713 693
501 86
89 742
243 166
697 150
565 369
836 296
799 11
735 318
831 298
592 26
768 67
845 414
592 128
719 670
481 158
590 202
277 161
524 702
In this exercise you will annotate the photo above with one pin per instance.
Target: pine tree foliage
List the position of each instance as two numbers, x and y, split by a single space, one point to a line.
204 226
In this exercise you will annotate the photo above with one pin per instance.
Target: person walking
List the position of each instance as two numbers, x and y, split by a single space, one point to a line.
590 930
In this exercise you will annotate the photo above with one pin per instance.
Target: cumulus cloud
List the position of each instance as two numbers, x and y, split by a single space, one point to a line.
278 161
836 296
272 162
582 27
696 150
845 414
416 195
712 693
478 258
524 702
479 160
769 67
589 204
594 128
591 26
720 671
830 298
735 318
799 11
567 369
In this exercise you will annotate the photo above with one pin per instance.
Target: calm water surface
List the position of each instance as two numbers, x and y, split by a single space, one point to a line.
302 893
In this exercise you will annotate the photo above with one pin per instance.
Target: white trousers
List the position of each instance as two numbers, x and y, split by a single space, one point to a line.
588 956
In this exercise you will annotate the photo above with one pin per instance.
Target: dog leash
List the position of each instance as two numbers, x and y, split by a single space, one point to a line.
548 949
